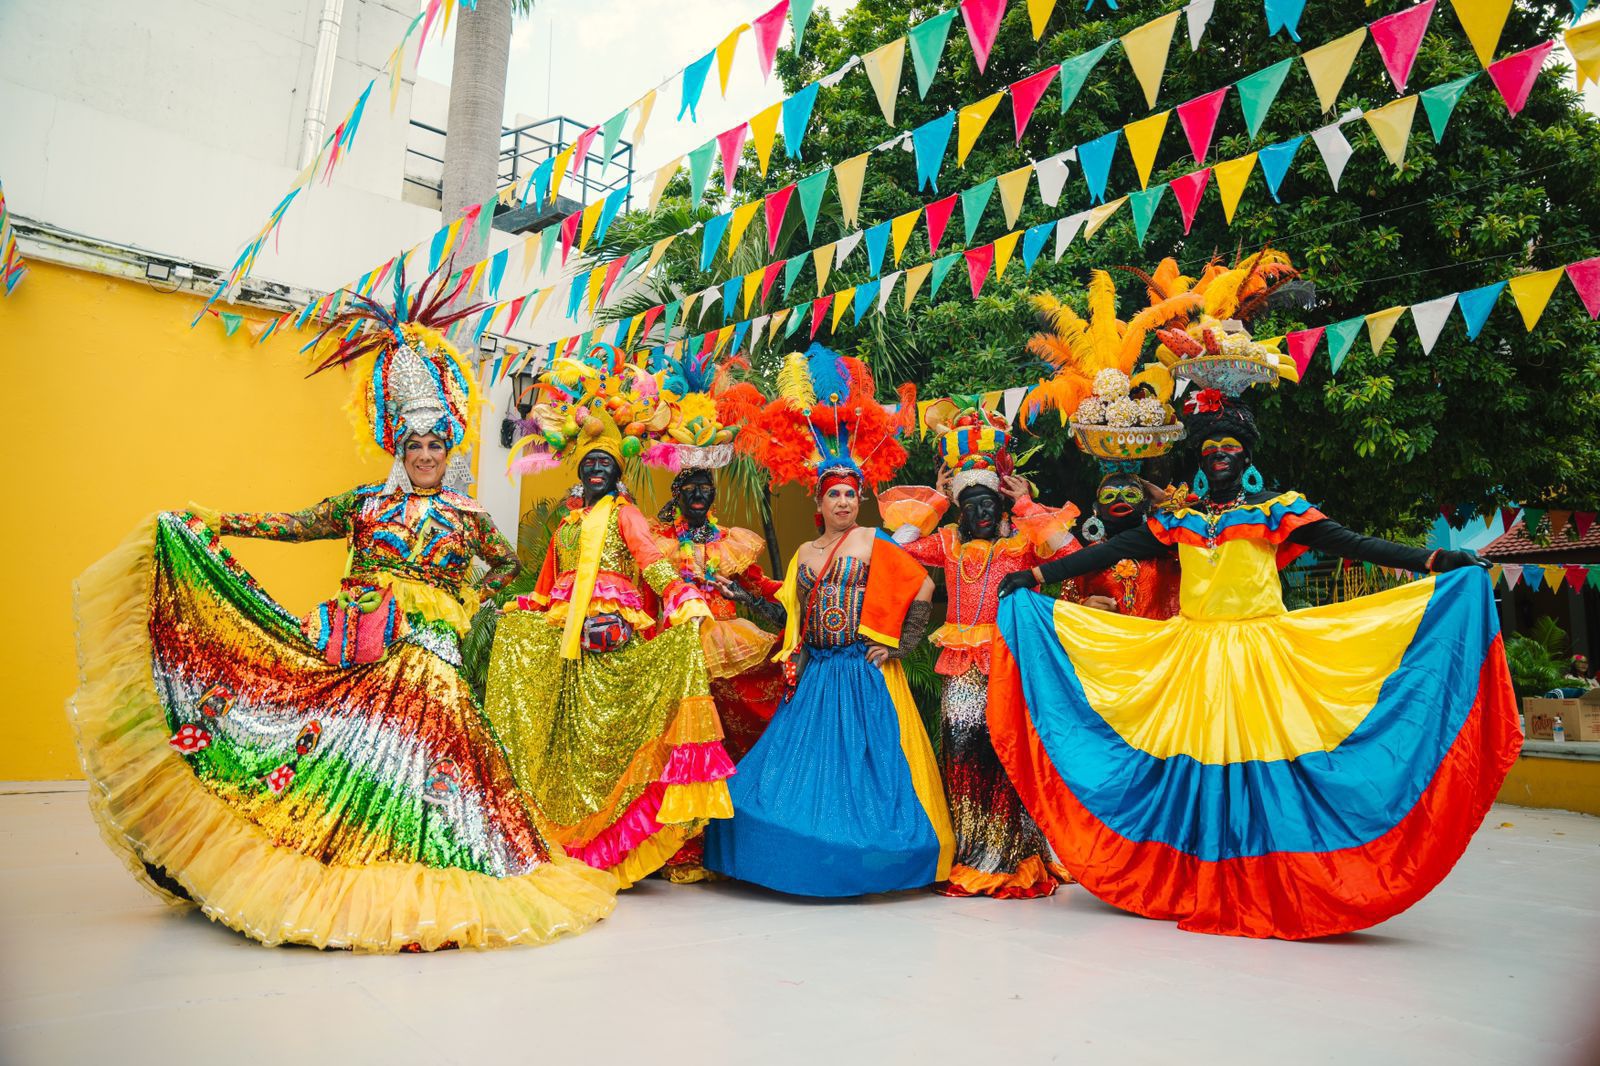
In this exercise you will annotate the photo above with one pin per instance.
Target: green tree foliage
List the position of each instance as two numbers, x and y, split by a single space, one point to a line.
1396 434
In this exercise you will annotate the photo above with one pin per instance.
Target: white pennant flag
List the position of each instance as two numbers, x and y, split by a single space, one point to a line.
1067 229
758 329
1011 402
843 248
1335 151
1199 13
707 298
1430 317
1052 174
886 288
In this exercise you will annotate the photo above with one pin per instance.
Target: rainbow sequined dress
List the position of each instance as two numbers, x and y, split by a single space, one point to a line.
1246 770
233 766
621 749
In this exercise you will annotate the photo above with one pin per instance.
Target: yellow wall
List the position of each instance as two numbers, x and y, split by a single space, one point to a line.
116 409
1556 784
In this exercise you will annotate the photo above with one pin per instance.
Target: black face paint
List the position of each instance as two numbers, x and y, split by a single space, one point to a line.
1121 504
695 497
981 512
1223 460
598 473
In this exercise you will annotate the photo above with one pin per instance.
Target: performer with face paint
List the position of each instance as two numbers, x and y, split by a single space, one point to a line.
1241 769
614 735
999 850
841 795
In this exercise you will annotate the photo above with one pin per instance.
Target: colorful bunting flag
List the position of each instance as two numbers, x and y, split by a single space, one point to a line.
970 122
711 233
929 142
1275 160
849 176
927 40
1188 190
1584 44
743 215
1146 49
1483 20
1392 124
1198 117
1336 151
1232 176
797 116
731 144
1052 174
1099 216
1285 15
1259 90
694 83
1476 304
1144 137
973 201
699 171
1440 101
822 261
725 52
914 279
877 244
1532 292
767 28
1341 335
810 189
763 131
1380 324
983 23
941 269
799 15
1143 204
1585 278
1003 249
1398 36
883 66
1429 317
1329 65
1515 74
1033 242
937 216
1039 15
791 272
1199 13
901 229
1094 157
1013 187
979 262
1076 71
1302 346
777 204
1026 94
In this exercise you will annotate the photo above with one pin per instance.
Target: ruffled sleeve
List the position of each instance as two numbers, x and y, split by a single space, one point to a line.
1047 531
1273 520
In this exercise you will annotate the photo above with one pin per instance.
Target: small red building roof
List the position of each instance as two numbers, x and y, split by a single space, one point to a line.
1516 546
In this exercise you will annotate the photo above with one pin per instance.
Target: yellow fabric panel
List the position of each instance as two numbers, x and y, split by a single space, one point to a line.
1271 687
1236 579
593 540
924 767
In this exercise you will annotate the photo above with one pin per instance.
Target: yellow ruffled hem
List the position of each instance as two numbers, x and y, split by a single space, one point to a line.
412 596
966 638
700 801
151 808
652 854
734 646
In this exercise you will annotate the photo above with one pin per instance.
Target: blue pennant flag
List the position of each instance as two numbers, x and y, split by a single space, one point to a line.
711 232
877 240
694 83
866 295
1033 243
730 296
497 270
1095 158
1285 15
738 336
796 117
1275 160
1475 306
608 212
930 141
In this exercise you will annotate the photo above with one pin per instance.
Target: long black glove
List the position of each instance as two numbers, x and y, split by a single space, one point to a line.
1455 560
912 629
1017 579
768 609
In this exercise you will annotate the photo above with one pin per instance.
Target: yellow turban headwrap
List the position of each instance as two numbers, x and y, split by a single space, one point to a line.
598 433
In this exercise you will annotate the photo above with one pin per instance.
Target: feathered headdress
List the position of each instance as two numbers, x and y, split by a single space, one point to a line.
1240 291
419 382
825 419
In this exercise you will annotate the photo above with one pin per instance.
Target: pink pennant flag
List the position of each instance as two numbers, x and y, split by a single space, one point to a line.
731 142
569 233
516 311
1025 96
983 23
1585 277
650 317
768 278
819 311
709 343
777 205
1187 190
1576 576
767 28
580 148
937 215
611 277
1398 36
979 260
1583 520
1302 346
1199 118
1513 572
1515 74
427 24
572 342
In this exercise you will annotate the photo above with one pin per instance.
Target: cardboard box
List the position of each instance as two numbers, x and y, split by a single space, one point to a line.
1580 718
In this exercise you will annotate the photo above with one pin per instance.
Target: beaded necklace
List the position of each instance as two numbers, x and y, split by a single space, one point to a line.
688 536
983 586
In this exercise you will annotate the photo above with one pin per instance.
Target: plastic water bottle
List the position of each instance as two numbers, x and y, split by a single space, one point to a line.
1558 732
1522 724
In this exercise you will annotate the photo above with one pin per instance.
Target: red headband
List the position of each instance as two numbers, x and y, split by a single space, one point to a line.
838 477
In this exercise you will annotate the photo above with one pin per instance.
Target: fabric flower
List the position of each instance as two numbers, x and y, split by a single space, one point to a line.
190 739
1205 401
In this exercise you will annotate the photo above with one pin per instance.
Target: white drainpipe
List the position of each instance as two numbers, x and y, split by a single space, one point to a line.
316 122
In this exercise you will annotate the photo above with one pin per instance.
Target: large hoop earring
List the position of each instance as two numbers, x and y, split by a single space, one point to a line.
1201 485
1094 530
1252 481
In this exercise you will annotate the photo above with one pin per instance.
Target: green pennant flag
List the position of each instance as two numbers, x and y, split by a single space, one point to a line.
230 322
810 189
1532 519
1257 92
927 46
1341 335
1441 100
668 317
973 201
700 169
1143 204
797 315
791 271
1075 71
799 15
547 245
612 130
941 267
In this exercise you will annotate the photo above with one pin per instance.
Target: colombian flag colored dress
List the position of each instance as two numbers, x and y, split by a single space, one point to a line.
1245 770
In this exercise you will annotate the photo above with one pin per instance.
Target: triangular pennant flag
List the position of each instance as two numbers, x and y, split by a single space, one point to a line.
1575 576
844 246
883 66
1094 158
647 104
1285 15
979 262
613 204
842 302
657 250
1551 576
1013 187
810 189
1026 94
1232 176
1398 36
795 320
731 143
1515 74
694 83
1585 278
901 229
822 260
1440 101
941 269
1482 20
1584 44
1199 120
1513 572
796 117
569 234
927 46
669 317
1476 304
664 174
1302 346
1380 324
866 295
699 171
580 146
1146 49
1392 124
1558 523
779 317
929 141
751 286
559 170
763 129
1099 216
1335 151
799 15
1532 520
887 290
1076 71
1143 204
791 272
937 215
849 175
1033 242
914 279
1003 250
1532 292
1144 137
230 322
1187 190
613 132
650 317
1053 176
612 272
1275 160
767 27
970 123
776 205
1259 90
1341 335
711 233
597 280
973 202
983 22
1583 520
730 296
725 52
1508 518
743 215
1039 15
1199 12
1429 318
1329 65
877 243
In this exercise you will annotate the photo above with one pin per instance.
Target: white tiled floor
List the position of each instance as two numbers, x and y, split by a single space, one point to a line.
1501 965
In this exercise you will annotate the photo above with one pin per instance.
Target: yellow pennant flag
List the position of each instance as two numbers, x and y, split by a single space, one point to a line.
664 174
842 300
1013 190
901 229
474 276
1532 292
506 195
1144 137
591 215
725 52
1099 216
779 317
822 259
741 222
884 66
1584 44
1039 15
970 121
597 278
1380 324
1146 49
1003 247
1392 124
530 247
538 304
752 285
688 306
1329 65
450 240
849 175
657 250
1232 177
1483 20
914 279
646 104
763 127
724 335
1554 575
559 171
633 328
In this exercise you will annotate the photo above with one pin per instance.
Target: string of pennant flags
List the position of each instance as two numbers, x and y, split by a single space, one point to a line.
12 267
